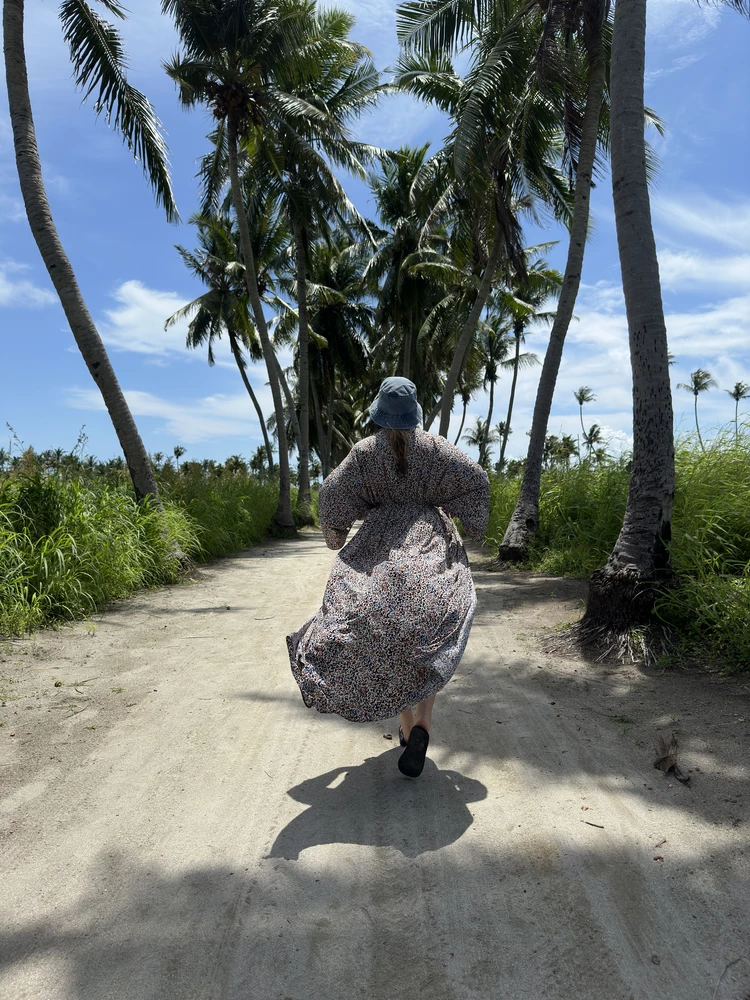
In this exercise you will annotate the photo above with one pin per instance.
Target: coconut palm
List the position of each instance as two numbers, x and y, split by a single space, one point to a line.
480 436
583 395
622 593
493 348
740 391
230 58
405 296
99 70
520 304
223 308
503 147
294 159
700 381
469 383
593 437
575 37
341 319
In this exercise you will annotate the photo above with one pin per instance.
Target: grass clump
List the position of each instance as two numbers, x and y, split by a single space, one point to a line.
581 511
67 547
73 538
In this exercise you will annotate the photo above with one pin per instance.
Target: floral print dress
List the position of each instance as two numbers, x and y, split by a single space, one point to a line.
400 600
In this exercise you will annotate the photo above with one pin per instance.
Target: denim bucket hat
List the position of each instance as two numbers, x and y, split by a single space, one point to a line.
396 405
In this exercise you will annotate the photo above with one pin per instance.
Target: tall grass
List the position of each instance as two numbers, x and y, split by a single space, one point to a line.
69 544
581 511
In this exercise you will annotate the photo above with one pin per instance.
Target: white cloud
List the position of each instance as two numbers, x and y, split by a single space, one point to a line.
710 331
726 222
190 421
137 323
680 63
712 335
679 24
687 269
19 292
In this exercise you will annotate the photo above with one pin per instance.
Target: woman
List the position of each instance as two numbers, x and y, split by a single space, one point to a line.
400 600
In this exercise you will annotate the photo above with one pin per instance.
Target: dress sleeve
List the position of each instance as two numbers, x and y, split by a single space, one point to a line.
462 489
341 501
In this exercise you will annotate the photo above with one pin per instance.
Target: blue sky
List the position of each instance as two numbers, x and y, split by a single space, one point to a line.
698 81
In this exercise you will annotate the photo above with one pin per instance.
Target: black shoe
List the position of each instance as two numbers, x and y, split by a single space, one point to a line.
401 739
412 759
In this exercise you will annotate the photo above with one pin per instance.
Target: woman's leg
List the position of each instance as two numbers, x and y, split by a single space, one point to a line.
407 721
423 715
411 761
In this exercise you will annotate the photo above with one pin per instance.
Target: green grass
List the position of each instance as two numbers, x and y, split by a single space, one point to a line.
70 543
581 511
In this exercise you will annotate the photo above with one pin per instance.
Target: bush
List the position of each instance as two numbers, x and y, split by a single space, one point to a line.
581 511
70 545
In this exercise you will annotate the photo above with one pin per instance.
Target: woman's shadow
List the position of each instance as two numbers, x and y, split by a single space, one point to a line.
373 804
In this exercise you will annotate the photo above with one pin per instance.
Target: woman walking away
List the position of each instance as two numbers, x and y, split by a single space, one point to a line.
400 600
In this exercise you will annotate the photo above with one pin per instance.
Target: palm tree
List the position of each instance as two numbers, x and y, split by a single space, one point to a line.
520 305
583 395
338 84
230 59
567 27
223 308
740 391
700 381
257 463
493 348
503 148
341 319
480 437
592 438
622 593
99 68
468 384
405 296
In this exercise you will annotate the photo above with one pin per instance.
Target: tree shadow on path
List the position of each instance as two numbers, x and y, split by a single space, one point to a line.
373 804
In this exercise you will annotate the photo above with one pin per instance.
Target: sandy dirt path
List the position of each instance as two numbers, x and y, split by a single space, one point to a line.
176 825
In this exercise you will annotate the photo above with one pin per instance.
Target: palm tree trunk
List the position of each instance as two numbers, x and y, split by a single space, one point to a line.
697 425
55 259
622 593
736 422
300 251
243 372
467 334
486 443
290 404
463 421
525 518
433 415
406 364
518 331
329 438
324 458
283 519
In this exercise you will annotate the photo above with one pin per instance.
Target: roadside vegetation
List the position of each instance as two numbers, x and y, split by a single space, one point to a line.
707 609
73 537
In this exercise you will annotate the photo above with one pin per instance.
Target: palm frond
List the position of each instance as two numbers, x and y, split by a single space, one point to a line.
99 66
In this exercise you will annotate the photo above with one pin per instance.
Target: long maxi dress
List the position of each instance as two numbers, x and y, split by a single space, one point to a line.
400 600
